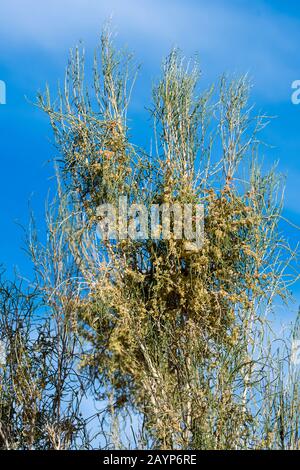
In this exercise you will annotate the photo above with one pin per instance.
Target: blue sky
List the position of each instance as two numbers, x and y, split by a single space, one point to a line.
234 36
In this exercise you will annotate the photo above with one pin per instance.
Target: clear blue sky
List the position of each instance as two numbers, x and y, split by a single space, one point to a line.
260 37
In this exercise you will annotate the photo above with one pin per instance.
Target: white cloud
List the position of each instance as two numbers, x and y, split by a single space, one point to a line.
227 37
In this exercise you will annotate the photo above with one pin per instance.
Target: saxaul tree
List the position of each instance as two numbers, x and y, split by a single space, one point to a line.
39 386
170 337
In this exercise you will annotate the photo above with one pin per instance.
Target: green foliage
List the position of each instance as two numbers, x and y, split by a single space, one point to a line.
175 336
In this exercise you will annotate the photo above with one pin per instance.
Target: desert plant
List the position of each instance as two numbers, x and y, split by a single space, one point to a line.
169 333
40 389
